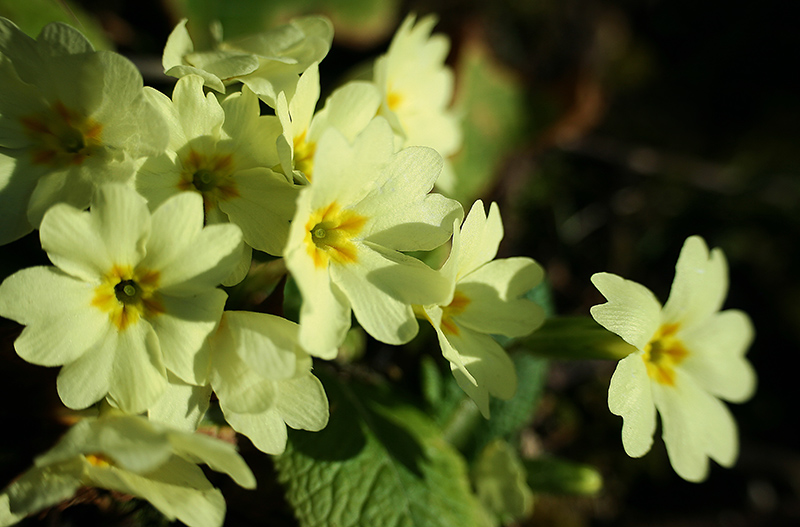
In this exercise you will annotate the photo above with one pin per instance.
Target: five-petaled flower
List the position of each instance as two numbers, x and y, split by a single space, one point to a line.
690 355
485 299
132 296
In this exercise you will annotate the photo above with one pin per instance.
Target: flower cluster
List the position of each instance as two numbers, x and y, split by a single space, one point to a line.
146 204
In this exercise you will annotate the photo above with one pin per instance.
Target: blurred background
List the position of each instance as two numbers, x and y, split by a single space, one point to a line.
608 131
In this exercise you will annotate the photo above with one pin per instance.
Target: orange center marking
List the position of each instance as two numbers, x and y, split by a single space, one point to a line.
663 353
210 176
329 233
128 294
62 137
456 307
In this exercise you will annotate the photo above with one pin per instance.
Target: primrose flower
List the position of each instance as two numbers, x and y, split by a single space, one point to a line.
222 151
134 456
268 63
263 379
417 89
690 355
366 204
71 118
348 109
132 296
484 300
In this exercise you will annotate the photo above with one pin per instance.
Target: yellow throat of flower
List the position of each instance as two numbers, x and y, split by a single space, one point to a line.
210 176
127 294
663 353
329 233
62 137
454 308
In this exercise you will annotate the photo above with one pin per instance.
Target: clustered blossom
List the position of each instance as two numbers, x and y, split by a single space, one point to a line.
182 190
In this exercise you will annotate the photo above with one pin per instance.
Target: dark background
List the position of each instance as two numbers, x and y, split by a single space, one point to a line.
647 121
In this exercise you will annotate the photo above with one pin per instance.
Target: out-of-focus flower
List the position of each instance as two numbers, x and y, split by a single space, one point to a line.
131 297
366 204
71 119
134 456
417 89
484 300
268 63
348 109
690 355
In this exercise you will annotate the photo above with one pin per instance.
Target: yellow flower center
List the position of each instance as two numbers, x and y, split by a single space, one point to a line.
454 308
663 353
304 155
62 137
329 233
99 460
127 294
210 176
393 100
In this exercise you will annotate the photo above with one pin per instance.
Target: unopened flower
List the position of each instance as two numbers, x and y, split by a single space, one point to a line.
132 296
484 300
71 118
134 456
690 355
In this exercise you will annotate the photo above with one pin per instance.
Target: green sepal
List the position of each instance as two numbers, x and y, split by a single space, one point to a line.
575 338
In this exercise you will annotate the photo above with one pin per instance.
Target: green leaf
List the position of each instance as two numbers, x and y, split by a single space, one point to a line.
492 102
378 462
575 338
552 475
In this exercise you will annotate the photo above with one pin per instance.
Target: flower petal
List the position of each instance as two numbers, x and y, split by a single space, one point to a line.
700 285
377 309
494 291
302 403
696 425
210 259
122 220
265 343
716 360
138 376
175 225
74 243
85 381
264 208
265 429
182 406
630 397
237 386
219 455
178 489
182 330
486 361
632 311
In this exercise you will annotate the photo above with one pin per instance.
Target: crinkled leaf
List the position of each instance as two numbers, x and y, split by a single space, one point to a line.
375 464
